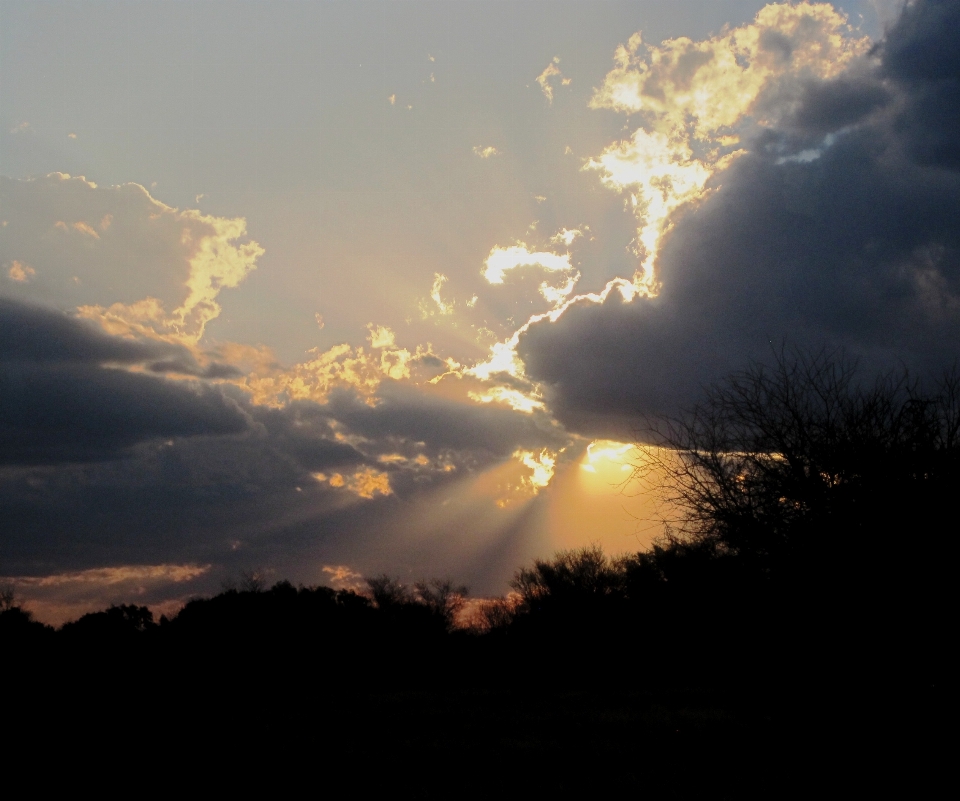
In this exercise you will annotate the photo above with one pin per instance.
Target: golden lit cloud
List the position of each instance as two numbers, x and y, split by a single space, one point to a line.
84 228
501 260
709 86
365 483
503 355
58 598
691 96
20 272
694 95
486 152
184 258
341 365
216 263
362 369
106 576
514 398
566 236
342 577
516 480
438 281
541 466
556 294
146 318
548 77
368 482
660 174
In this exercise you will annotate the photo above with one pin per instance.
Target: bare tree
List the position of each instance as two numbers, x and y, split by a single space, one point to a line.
442 598
388 592
775 457
8 597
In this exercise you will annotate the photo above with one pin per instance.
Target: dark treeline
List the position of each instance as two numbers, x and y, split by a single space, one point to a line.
793 624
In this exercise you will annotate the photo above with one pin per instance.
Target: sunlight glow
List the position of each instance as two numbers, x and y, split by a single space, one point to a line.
605 450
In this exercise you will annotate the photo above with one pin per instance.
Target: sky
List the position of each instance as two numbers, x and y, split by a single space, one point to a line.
326 290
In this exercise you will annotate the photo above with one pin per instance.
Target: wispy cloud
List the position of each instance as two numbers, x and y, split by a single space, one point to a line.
550 76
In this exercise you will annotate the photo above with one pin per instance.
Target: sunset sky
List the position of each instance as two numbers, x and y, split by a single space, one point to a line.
331 289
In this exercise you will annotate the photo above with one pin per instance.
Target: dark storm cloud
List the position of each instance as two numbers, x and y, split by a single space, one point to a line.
840 227
203 498
70 413
921 55
60 403
827 106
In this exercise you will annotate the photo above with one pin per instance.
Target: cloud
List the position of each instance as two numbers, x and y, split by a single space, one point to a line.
548 77
343 577
343 365
136 251
107 576
695 97
835 226
60 597
83 228
63 398
21 273
442 306
503 259
486 152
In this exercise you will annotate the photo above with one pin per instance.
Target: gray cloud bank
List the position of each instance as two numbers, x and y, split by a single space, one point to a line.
63 398
105 463
839 227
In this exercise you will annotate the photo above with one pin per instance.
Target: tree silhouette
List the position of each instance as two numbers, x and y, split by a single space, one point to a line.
813 508
8 597
789 464
443 598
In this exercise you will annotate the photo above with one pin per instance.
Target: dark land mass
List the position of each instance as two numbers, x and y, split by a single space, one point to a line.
789 637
